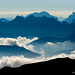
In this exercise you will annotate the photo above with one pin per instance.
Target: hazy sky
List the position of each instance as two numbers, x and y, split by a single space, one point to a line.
24 7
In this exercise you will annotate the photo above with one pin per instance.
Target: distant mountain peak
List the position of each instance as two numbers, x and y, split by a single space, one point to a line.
41 14
73 13
31 16
19 18
4 20
70 18
44 12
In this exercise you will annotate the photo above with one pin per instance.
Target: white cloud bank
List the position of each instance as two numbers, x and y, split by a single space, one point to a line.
17 61
63 55
66 45
20 41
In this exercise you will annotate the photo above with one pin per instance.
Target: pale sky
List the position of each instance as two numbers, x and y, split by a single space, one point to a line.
11 8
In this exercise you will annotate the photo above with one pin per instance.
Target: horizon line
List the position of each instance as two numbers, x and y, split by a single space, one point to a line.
5 14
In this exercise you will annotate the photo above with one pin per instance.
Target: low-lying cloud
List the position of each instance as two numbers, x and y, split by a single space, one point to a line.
51 49
20 41
45 50
17 61
58 46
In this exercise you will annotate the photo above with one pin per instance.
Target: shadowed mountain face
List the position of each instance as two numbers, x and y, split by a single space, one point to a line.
35 26
16 51
54 67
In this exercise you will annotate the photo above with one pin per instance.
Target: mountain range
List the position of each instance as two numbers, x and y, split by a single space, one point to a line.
40 26
41 14
35 26
44 13
48 29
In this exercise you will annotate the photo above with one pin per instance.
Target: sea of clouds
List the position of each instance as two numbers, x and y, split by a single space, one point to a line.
16 61
51 49
20 41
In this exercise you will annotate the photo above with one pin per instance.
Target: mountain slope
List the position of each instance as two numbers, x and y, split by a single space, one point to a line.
16 51
57 66
70 18
35 26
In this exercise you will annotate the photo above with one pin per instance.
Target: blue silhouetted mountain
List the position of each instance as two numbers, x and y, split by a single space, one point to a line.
41 14
70 18
4 20
16 51
18 19
35 26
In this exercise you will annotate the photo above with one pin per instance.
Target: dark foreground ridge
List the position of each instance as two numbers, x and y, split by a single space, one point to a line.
63 66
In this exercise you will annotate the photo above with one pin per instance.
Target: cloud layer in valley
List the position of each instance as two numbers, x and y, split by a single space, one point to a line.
50 49
20 41
66 45
17 61
45 49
